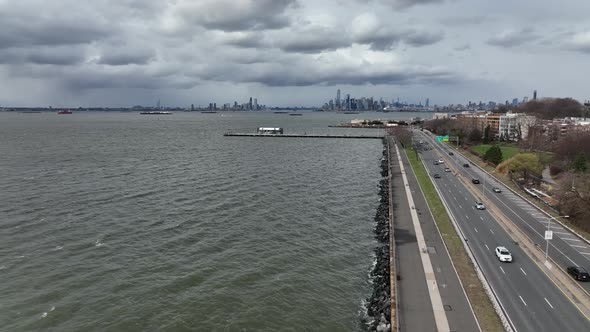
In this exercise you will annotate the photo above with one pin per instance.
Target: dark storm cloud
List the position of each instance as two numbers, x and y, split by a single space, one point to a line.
246 40
300 73
24 31
402 4
314 40
513 38
389 40
61 56
464 20
421 38
237 15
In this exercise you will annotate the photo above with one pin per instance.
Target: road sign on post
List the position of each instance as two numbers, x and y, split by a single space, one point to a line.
445 138
548 235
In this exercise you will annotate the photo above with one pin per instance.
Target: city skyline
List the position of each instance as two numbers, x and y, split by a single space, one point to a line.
289 52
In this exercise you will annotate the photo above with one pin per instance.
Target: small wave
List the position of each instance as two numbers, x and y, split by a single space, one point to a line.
2 267
98 243
43 315
58 248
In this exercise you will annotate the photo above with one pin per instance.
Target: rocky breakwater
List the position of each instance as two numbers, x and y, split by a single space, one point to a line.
379 303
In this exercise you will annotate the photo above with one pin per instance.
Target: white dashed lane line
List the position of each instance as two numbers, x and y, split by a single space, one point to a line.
492 231
523 271
502 270
576 246
548 302
522 300
487 246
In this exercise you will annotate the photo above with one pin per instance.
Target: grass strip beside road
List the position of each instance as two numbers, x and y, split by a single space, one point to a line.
482 306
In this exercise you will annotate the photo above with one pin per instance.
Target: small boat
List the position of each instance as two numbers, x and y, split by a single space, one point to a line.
206 112
295 114
64 112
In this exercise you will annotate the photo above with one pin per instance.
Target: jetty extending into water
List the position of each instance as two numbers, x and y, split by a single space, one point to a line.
303 135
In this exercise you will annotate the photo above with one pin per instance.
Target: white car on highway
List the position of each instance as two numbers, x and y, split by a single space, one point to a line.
480 206
503 254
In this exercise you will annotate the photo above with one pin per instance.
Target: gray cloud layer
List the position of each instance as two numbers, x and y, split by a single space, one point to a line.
168 45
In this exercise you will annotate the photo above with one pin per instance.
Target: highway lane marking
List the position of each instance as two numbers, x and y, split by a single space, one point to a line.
455 198
487 246
502 270
576 246
570 239
522 300
475 230
548 303
584 253
480 217
558 232
523 271
460 206
491 231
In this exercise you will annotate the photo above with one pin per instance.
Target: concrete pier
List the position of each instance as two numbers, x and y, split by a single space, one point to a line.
304 135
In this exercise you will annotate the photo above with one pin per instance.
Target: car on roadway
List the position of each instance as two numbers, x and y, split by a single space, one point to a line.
451 153
480 206
475 181
447 169
440 161
496 190
503 254
436 176
579 273
465 165
435 162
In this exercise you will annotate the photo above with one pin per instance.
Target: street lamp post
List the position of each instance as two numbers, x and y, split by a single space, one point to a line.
549 235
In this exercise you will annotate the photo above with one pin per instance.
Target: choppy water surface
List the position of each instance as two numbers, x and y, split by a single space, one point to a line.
123 222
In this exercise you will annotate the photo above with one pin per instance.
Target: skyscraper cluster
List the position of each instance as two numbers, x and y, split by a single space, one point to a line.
349 103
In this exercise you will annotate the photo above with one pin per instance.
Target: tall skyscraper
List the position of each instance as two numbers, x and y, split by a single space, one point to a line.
427 102
535 95
338 98
158 104
255 104
525 99
192 107
250 104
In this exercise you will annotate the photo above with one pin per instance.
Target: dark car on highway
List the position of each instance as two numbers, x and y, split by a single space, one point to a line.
579 273
437 176
465 165
451 153
475 181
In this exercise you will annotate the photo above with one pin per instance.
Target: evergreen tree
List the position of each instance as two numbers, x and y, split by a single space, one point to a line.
494 155
579 164
486 135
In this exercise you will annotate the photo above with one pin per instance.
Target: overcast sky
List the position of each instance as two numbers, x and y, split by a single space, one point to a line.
290 52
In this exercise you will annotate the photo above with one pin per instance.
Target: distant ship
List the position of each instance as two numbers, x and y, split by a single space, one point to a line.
280 112
350 112
155 113
295 114
208 112
64 112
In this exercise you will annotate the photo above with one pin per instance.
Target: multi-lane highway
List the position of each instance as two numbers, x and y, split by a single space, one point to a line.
531 300
565 249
